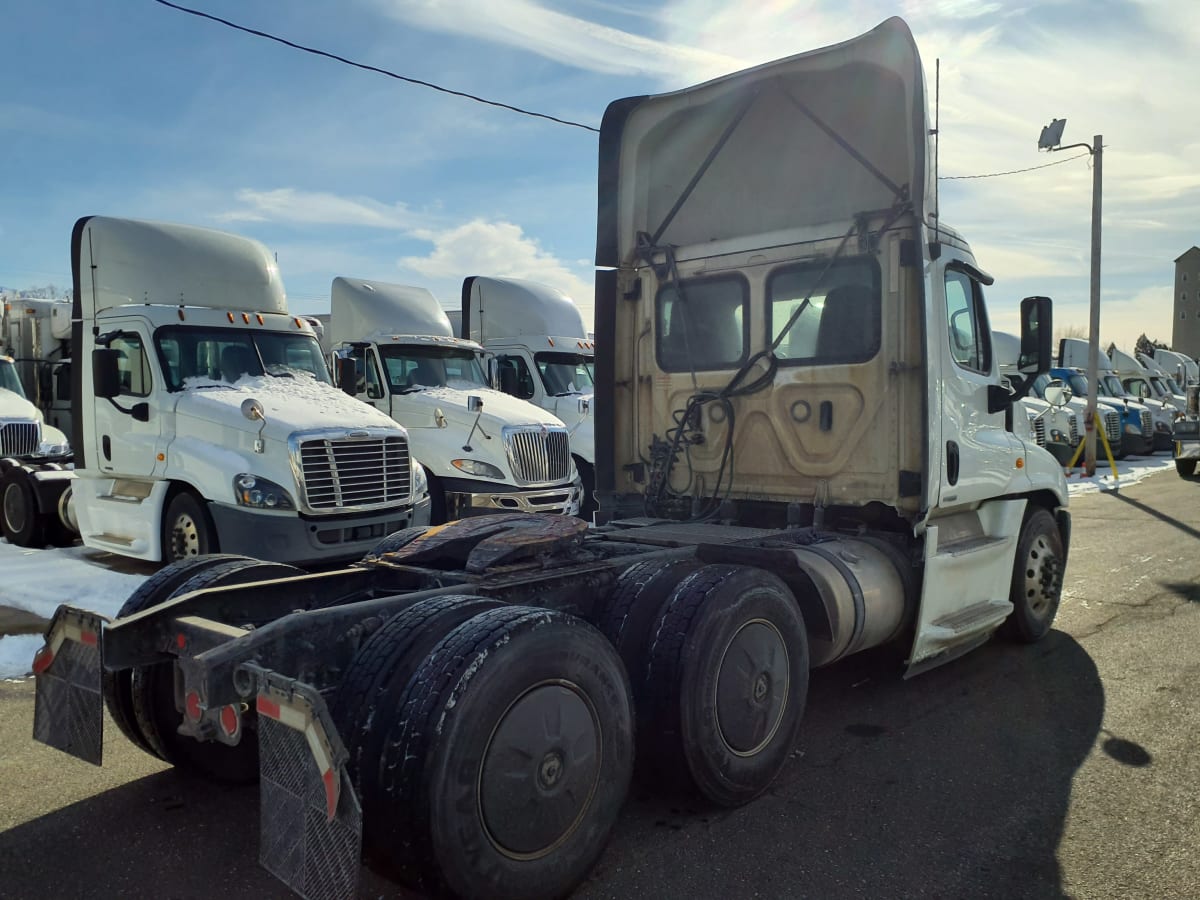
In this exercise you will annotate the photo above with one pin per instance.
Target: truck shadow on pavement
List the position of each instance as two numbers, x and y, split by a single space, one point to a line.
954 784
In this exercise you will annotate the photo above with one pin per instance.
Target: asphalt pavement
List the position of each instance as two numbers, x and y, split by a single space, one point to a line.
1067 768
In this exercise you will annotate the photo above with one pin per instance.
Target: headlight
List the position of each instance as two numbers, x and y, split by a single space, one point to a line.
420 481
258 493
1132 429
45 449
477 468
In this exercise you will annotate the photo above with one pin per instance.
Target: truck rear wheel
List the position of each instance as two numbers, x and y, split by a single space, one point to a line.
153 691
633 606
380 672
510 757
1185 467
1037 578
159 587
187 528
23 524
727 679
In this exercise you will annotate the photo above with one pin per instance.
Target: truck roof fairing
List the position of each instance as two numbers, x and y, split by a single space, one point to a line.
809 140
514 307
116 262
363 306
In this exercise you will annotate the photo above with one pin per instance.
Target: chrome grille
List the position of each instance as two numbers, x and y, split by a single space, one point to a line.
538 454
1073 429
18 438
1147 424
1112 425
1039 430
346 473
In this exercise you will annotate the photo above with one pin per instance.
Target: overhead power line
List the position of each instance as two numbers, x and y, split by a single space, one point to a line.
358 65
517 109
1057 162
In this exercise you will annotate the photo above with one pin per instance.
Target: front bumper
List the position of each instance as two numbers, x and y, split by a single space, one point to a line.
290 538
1187 449
471 498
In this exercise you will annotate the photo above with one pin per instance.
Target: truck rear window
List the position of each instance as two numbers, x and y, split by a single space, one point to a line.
840 324
705 326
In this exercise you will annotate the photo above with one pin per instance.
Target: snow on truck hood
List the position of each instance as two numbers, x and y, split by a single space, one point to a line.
499 409
299 403
14 406
806 141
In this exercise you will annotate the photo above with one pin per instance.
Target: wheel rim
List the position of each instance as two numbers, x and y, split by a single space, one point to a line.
540 770
14 509
185 537
753 684
1042 571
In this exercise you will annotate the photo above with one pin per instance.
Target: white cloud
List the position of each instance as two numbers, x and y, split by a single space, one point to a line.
566 39
317 208
502 249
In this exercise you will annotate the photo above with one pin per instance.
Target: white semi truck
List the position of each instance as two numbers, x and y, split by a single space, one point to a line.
483 450
36 333
801 453
1143 382
542 354
204 415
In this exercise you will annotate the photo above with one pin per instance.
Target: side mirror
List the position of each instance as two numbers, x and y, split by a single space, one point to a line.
1057 395
585 406
106 374
347 375
1036 336
474 403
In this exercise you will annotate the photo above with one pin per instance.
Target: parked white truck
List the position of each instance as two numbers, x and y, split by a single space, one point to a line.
37 335
483 450
801 453
204 414
542 354
1058 428
1139 381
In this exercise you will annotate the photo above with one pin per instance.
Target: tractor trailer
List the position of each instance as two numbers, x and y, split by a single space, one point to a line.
203 412
801 452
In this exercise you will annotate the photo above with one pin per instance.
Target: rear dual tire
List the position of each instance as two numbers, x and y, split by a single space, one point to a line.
507 755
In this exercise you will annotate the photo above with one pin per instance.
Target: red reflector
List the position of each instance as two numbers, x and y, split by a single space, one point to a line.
180 641
229 720
192 705
42 660
268 707
89 638
330 796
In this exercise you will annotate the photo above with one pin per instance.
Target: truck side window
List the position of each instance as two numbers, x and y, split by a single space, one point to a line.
369 381
133 365
966 321
523 377
840 324
707 329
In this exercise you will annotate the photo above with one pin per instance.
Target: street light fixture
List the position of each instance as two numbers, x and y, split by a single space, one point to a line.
1051 140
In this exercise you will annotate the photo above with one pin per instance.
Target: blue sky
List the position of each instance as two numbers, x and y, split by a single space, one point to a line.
133 109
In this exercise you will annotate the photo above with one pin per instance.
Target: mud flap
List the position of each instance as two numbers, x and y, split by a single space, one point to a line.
68 709
311 824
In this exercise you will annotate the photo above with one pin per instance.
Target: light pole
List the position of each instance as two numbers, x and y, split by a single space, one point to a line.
1050 139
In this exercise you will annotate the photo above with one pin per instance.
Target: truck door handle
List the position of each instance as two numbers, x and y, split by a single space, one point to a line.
952 462
106 446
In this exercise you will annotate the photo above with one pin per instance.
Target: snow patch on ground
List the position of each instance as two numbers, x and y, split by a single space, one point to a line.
39 580
1129 472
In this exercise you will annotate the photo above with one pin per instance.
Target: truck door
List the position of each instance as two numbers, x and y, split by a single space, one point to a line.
979 454
121 444
971 534
370 384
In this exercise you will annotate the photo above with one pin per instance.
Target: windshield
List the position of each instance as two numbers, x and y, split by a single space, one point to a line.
1173 385
566 373
1112 386
1078 385
8 378
226 354
411 368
